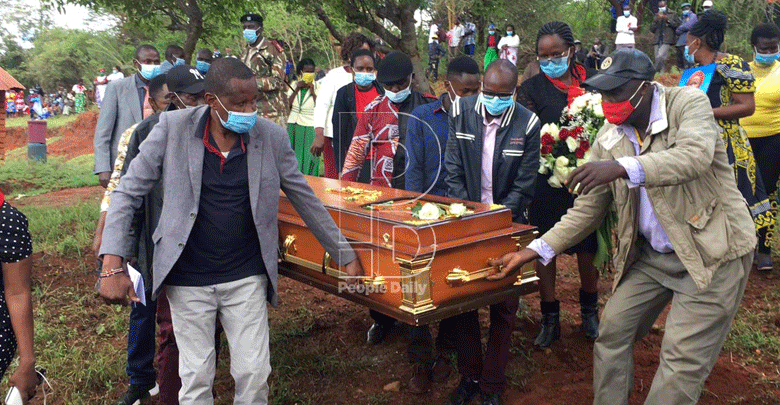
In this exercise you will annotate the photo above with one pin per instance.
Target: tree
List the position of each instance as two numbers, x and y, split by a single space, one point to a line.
391 20
193 17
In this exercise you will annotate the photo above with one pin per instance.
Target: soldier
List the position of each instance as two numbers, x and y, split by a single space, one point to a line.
267 61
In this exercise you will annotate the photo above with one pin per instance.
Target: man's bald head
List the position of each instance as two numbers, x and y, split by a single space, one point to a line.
501 74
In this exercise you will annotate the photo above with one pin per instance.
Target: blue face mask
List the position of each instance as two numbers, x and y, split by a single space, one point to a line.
495 105
491 32
555 67
626 13
689 56
250 36
149 72
766 59
399 97
179 62
238 122
686 12
364 79
202 66
509 33
662 9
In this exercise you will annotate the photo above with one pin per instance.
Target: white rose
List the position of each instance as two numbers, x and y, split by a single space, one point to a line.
561 161
543 169
572 144
457 209
551 129
580 102
585 159
598 111
429 211
554 182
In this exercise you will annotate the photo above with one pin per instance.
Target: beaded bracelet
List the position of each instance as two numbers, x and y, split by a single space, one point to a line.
109 273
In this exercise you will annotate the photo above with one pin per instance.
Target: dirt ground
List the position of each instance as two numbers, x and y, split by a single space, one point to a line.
76 137
561 375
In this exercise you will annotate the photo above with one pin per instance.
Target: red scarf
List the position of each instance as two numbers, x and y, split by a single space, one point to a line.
574 90
2 198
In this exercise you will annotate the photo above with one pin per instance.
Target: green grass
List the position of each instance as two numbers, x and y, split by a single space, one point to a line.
21 176
51 123
63 231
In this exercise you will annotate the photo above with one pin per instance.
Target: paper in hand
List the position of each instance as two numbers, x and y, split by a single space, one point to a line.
138 283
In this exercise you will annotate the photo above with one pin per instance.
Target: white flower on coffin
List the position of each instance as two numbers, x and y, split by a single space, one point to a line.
572 143
561 161
551 129
544 167
457 209
598 110
429 211
554 182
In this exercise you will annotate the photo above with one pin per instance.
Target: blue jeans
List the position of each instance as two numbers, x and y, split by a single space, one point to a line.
140 343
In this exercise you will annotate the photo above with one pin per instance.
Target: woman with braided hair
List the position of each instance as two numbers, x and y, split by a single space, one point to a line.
731 96
546 94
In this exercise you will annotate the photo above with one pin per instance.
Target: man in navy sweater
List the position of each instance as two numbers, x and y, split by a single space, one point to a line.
426 139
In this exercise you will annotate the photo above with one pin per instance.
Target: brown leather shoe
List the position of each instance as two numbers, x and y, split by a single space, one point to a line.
441 369
420 383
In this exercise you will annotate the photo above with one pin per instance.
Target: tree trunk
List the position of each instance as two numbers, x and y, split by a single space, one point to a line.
194 27
409 47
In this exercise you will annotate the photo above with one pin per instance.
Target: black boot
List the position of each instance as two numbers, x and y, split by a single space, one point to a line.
551 325
589 307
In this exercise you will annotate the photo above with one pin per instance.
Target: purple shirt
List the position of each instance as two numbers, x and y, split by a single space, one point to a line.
488 148
649 227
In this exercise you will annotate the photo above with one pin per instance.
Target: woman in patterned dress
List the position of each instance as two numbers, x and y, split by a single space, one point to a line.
16 317
731 95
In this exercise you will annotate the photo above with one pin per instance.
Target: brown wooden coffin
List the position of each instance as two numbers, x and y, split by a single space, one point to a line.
416 271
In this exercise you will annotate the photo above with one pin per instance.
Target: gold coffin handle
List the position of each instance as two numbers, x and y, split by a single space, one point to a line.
377 281
287 246
458 277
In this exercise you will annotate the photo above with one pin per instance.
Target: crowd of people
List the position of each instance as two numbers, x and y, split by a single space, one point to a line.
180 150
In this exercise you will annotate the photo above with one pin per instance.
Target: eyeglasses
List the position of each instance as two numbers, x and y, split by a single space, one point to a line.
501 96
544 61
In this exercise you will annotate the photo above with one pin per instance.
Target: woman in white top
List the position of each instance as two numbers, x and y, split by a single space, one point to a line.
508 45
300 125
326 97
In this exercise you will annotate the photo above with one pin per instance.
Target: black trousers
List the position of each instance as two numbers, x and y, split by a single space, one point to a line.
420 348
767 153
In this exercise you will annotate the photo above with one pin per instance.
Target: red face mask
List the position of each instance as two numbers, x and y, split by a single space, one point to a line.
618 113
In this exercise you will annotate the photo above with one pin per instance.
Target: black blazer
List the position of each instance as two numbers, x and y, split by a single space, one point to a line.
344 123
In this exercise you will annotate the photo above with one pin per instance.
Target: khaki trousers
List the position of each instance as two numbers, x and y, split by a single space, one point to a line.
696 327
241 308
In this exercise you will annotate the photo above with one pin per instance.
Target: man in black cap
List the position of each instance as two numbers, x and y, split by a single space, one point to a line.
685 233
140 336
184 88
383 125
266 59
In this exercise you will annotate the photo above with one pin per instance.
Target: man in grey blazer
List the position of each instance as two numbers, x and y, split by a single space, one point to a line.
217 239
123 106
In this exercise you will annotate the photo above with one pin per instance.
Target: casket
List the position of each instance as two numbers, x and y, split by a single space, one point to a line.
417 269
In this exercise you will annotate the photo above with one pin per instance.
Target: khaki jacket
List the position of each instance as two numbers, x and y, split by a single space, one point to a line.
689 183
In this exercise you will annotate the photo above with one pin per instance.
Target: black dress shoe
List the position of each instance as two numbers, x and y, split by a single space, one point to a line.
489 398
463 392
377 333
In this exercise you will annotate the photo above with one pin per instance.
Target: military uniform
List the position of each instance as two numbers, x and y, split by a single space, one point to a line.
267 61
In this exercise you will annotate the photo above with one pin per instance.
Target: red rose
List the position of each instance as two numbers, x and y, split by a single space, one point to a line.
579 153
584 145
546 149
578 131
547 139
565 133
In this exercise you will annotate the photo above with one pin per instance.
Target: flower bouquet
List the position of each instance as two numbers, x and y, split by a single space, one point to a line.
566 147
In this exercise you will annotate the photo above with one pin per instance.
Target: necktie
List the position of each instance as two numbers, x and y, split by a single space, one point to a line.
147 107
